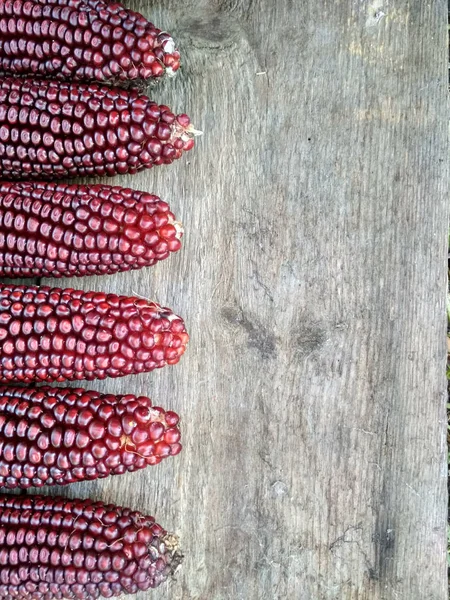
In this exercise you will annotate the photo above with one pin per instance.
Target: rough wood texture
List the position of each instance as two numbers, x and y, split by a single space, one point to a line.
313 282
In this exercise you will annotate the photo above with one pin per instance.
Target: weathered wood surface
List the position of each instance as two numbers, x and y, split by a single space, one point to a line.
313 281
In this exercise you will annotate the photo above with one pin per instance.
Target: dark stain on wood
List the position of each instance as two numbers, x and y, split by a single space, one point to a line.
258 336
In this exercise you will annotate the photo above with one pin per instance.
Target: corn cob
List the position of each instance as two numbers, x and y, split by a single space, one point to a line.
54 548
52 436
52 334
51 129
50 230
82 40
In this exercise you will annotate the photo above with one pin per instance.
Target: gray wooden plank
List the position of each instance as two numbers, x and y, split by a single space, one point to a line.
312 280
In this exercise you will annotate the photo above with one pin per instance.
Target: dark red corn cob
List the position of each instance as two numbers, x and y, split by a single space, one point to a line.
50 230
52 436
82 40
53 334
54 548
52 129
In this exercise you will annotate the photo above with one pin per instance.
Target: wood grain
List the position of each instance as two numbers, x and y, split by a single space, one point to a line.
312 280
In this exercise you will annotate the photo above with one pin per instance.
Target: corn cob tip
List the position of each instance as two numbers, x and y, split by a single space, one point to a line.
176 560
172 542
185 133
183 130
171 59
178 228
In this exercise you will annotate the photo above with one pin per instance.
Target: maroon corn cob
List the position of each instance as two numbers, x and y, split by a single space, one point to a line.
52 334
82 40
54 548
52 436
50 230
52 129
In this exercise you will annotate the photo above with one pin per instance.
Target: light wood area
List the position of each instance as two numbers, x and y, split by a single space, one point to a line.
312 280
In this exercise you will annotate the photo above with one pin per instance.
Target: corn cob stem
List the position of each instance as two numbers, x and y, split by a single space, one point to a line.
54 548
82 40
51 436
50 230
52 334
53 130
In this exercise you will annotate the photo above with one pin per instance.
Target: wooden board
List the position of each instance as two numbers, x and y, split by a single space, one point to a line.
312 280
